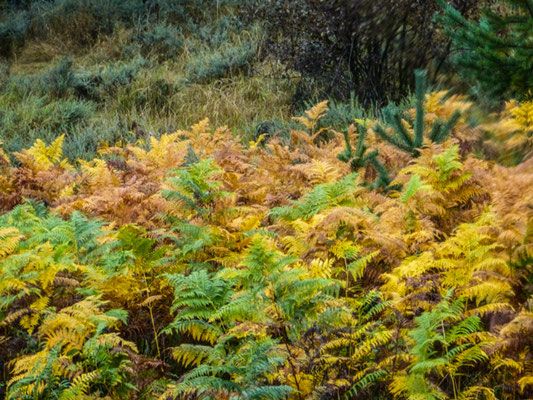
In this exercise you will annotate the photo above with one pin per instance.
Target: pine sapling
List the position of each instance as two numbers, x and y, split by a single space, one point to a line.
402 138
359 159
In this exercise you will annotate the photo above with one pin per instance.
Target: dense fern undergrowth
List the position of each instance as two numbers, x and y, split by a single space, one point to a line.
346 253
318 264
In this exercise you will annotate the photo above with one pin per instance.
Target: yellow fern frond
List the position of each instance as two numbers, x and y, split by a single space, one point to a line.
33 363
40 304
525 381
67 191
44 156
523 115
55 150
509 363
260 139
190 355
313 115
79 386
357 267
474 393
323 172
489 308
9 240
319 268
97 173
375 340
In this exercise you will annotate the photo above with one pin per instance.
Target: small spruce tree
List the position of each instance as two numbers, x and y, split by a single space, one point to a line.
358 159
402 138
495 52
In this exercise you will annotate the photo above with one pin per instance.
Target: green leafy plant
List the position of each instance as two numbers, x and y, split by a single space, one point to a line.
443 342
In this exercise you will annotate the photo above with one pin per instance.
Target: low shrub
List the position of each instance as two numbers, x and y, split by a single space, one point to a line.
230 60
161 40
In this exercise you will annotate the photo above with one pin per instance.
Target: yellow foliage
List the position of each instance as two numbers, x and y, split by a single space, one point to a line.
312 116
42 157
9 239
366 263
514 128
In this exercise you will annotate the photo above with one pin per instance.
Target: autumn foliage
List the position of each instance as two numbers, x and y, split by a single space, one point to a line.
191 266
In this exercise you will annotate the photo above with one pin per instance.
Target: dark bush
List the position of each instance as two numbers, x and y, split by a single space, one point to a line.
12 34
364 46
107 80
63 81
59 80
